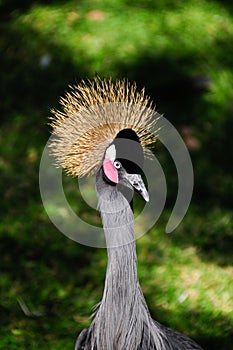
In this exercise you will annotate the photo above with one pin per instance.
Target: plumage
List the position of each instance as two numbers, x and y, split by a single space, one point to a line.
89 136
93 114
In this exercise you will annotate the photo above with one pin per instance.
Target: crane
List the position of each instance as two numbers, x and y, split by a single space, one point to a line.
88 138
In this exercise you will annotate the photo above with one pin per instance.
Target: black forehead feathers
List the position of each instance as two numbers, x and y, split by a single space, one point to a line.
129 151
128 134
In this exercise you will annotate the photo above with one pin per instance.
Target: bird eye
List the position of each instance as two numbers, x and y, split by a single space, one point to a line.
117 164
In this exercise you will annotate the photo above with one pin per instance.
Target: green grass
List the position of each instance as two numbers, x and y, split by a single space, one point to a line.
186 276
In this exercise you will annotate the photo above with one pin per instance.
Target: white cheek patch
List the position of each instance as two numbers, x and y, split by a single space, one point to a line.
108 167
111 153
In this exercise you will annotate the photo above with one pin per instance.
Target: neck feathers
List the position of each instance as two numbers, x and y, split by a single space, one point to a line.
118 311
122 320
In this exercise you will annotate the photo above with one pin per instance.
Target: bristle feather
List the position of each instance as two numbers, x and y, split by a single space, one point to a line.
93 114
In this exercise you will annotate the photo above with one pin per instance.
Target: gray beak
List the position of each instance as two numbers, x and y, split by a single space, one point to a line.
136 181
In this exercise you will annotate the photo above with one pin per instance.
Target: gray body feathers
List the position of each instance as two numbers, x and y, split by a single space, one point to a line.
122 320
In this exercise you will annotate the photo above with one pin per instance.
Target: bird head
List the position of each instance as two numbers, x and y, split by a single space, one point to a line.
122 169
105 125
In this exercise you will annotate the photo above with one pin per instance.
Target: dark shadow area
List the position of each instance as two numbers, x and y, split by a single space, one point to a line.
225 3
27 83
167 82
11 6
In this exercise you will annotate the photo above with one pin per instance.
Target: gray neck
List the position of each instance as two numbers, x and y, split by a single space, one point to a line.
121 283
118 224
119 305
122 313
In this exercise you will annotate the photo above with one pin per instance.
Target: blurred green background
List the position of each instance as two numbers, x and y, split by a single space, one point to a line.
182 52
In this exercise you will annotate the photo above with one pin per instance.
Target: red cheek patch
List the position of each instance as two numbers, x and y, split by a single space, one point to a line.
110 171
